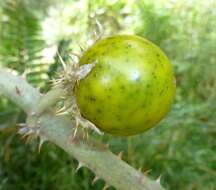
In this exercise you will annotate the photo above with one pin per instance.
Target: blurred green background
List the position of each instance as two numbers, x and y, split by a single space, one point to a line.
182 148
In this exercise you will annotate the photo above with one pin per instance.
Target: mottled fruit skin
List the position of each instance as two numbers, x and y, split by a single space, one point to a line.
130 89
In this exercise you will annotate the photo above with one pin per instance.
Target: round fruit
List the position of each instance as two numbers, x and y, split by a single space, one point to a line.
131 87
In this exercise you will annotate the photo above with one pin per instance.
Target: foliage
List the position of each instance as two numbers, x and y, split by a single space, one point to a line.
21 43
181 148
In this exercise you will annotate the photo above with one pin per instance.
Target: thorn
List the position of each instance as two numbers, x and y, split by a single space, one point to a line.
29 138
85 133
21 124
80 165
42 140
75 129
29 132
62 61
99 31
74 63
84 70
99 26
75 59
96 178
81 48
87 124
73 140
92 126
62 113
147 172
120 154
62 109
105 187
76 122
24 74
158 179
76 54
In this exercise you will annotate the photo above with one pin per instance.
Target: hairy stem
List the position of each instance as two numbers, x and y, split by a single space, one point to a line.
58 130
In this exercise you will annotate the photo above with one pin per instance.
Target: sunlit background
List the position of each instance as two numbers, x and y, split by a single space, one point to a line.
181 149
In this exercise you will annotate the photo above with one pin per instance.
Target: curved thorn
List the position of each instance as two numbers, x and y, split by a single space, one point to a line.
62 61
42 140
61 113
63 109
24 74
29 132
158 179
75 132
84 70
74 63
21 124
29 138
80 165
105 187
82 49
99 32
147 172
120 154
96 178
99 26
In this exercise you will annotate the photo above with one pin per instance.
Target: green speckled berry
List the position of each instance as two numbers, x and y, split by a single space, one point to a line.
130 89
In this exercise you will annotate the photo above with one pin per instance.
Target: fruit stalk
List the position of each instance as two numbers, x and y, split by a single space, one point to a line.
57 129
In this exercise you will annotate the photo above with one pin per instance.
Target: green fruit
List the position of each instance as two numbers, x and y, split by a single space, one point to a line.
130 89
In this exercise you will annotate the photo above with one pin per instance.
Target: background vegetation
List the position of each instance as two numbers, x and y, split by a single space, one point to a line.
182 148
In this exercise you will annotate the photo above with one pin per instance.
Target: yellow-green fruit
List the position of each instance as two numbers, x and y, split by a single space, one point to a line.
130 89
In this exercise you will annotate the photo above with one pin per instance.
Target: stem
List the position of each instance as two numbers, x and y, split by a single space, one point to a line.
49 99
19 91
58 130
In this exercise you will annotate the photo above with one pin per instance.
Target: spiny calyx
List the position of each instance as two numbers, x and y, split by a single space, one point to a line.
71 76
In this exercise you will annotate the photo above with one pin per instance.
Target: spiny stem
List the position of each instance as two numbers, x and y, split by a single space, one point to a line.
101 161
19 91
58 130
49 99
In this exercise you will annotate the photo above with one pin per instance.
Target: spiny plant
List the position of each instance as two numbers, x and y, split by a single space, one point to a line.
68 86
57 129
143 66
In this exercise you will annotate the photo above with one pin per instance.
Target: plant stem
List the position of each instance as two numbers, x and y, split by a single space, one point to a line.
49 99
19 91
58 130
